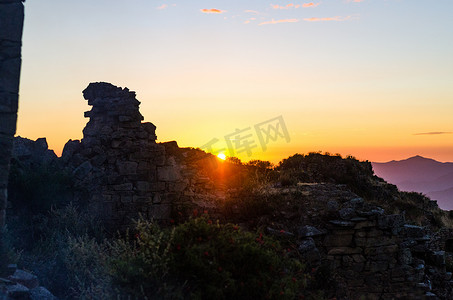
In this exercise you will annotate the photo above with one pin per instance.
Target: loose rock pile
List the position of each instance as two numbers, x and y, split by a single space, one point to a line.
21 285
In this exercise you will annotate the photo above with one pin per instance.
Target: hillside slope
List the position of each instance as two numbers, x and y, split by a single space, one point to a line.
422 175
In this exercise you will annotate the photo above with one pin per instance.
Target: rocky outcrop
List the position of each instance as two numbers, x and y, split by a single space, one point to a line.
11 23
33 153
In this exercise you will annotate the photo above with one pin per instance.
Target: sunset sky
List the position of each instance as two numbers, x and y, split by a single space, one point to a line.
370 78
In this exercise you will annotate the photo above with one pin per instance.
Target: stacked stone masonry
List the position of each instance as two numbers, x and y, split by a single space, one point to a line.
124 172
118 159
377 256
11 24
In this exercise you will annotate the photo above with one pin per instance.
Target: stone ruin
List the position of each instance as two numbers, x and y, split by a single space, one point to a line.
121 170
118 162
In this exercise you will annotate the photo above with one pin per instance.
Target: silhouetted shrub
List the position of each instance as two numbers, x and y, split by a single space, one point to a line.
317 167
208 259
35 189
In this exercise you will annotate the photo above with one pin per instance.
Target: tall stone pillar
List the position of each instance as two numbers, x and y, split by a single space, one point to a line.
11 24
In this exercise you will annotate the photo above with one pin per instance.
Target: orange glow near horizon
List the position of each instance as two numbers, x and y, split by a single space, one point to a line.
367 79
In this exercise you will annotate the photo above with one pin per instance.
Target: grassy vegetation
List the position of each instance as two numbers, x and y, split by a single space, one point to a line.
194 257
197 259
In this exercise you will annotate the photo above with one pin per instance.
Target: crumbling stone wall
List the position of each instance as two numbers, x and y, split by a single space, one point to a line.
373 255
118 162
11 23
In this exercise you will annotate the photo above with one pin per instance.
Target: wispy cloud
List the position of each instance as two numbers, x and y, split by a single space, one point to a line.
434 133
311 4
252 11
163 6
280 21
212 11
287 6
249 20
356 1
337 18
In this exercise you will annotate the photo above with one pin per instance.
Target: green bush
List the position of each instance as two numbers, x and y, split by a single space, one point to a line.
198 259
204 260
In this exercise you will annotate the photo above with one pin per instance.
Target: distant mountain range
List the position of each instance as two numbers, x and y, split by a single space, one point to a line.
420 174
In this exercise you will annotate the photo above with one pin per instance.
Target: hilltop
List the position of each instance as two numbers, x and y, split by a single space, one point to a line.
422 175
121 215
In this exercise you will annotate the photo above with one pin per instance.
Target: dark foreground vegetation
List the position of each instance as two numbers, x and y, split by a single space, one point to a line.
245 250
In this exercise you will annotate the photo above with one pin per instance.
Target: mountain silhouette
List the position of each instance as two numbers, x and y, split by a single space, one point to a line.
420 174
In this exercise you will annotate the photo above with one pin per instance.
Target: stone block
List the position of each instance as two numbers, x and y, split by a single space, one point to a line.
158 158
332 206
341 223
355 282
161 211
2 217
123 187
361 234
358 258
82 171
126 199
168 173
26 279
365 224
142 186
10 75
157 199
347 213
98 160
347 260
17 291
405 256
413 231
142 199
143 166
343 240
41 293
375 233
10 49
309 231
357 267
307 245
156 186
149 127
345 251
3 197
11 21
127 167
374 241
343 231
373 251
8 102
437 258
176 186
391 221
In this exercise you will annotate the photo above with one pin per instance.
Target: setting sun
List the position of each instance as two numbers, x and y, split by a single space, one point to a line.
222 156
